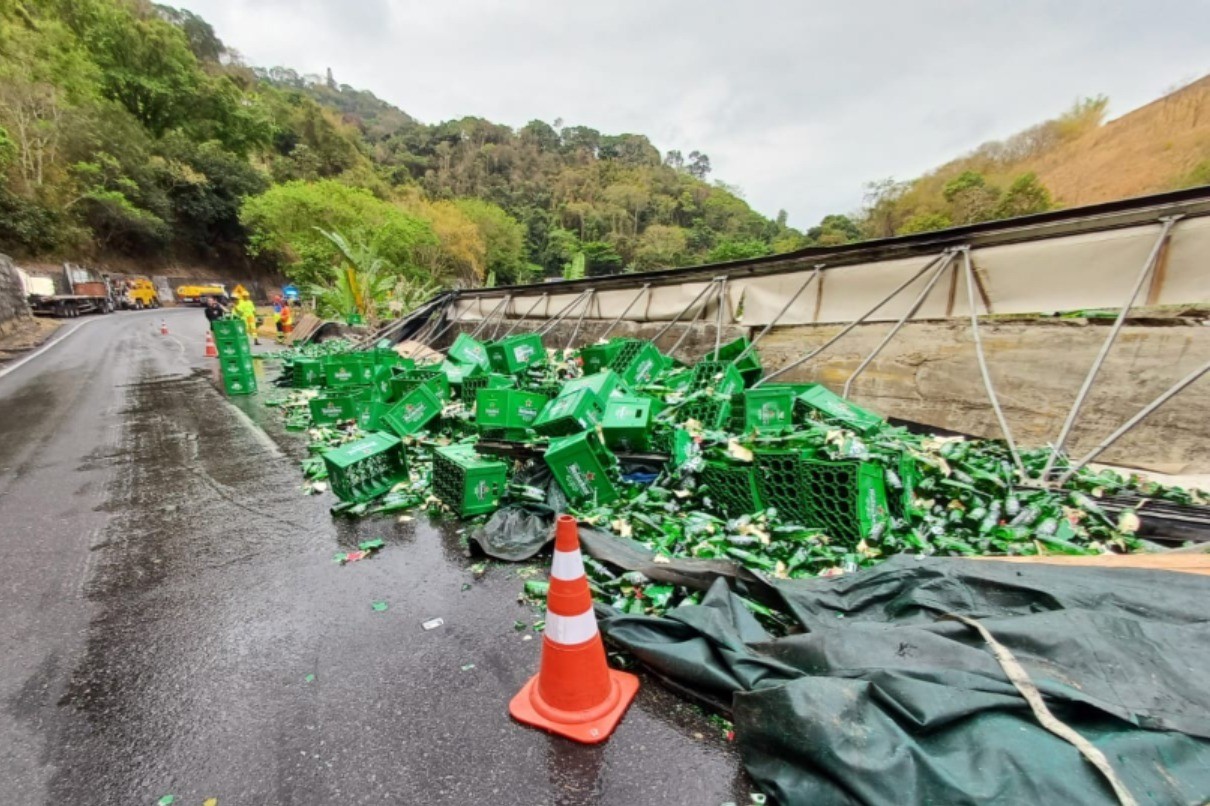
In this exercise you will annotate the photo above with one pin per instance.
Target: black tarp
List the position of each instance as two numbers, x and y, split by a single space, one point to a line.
880 700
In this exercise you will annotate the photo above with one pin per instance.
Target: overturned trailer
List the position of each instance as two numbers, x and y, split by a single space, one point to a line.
1055 328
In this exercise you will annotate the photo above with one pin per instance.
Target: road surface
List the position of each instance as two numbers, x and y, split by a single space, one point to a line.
167 590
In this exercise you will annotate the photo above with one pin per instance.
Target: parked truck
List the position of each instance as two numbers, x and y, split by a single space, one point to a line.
197 294
85 291
135 292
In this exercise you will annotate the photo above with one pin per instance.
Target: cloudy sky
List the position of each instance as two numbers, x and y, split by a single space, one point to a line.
798 103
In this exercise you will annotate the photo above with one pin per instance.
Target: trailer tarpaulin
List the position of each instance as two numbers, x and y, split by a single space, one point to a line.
881 699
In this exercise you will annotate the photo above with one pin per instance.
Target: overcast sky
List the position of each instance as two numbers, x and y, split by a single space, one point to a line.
796 103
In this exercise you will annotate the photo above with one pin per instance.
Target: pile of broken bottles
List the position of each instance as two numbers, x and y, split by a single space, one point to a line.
702 461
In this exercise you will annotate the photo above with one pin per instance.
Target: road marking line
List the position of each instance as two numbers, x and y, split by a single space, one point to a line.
58 337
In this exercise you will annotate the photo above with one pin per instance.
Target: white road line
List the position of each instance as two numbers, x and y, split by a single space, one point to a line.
58 337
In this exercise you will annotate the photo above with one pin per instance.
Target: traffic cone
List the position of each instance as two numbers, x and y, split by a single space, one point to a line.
211 350
575 694
163 327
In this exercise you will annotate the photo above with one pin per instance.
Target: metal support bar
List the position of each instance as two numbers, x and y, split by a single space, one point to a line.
1148 264
908 314
562 314
800 361
701 313
987 378
1127 426
488 318
718 317
580 321
780 314
503 313
525 317
709 286
646 287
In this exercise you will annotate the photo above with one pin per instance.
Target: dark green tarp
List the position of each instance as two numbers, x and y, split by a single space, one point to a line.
878 700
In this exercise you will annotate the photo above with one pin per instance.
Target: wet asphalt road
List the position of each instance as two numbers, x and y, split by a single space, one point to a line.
166 590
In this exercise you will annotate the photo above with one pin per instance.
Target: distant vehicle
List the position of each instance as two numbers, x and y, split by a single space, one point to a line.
140 294
87 292
196 294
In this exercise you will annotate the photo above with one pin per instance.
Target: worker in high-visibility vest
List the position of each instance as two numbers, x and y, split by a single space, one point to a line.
245 310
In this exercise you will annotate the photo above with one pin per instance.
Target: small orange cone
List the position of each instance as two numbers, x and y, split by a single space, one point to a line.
163 328
211 350
575 694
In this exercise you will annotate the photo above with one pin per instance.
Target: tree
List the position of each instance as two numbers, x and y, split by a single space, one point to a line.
661 246
503 239
834 230
284 221
737 249
1025 196
699 165
882 213
924 222
970 198
360 283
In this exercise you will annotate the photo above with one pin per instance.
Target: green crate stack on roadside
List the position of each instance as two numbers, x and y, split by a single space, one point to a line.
466 482
235 356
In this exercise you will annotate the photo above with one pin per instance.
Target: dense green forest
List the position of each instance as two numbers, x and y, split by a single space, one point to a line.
129 129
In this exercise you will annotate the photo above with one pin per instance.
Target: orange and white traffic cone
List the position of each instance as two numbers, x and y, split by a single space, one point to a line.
211 350
575 694
163 327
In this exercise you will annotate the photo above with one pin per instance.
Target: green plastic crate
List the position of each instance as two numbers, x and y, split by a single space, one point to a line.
604 385
626 424
414 411
383 389
732 487
363 470
720 376
341 370
236 365
228 329
820 399
749 367
779 484
580 464
515 354
239 383
306 372
366 367
406 381
467 350
712 411
370 416
639 363
466 482
847 499
491 380
679 381
569 413
769 408
335 406
457 374
507 412
597 357
231 346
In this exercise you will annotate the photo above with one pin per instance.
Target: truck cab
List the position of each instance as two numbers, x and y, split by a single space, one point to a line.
140 294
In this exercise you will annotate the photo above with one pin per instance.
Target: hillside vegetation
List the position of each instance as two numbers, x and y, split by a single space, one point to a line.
129 130
130 133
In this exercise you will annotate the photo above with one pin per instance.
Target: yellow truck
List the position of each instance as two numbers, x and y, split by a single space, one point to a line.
140 294
196 294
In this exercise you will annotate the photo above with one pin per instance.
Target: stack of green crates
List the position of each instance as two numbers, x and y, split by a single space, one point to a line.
235 356
466 482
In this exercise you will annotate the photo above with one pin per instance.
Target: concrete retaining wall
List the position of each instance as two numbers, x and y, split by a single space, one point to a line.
12 296
929 374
